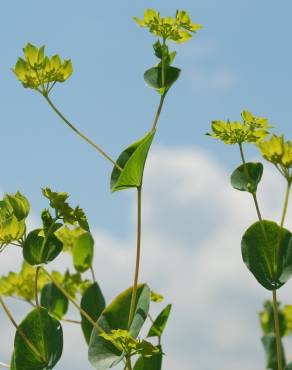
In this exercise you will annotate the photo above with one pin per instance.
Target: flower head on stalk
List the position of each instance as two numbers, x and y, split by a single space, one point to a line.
251 130
178 29
279 152
40 72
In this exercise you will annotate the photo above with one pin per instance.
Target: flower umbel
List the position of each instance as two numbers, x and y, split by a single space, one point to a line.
279 152
178 29
251 130
39 72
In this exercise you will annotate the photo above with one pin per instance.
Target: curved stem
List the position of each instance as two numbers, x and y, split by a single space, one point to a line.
89 141
138 255
36 286
92 274
157 115
82 312
277 331
21 333
286 201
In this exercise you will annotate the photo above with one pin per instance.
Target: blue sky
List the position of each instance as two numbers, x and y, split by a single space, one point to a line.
240 59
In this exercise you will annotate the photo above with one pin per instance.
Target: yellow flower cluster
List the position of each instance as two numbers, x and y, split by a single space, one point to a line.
251 130
178 29
39 72
277 151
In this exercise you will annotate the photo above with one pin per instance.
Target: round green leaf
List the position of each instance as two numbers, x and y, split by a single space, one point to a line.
93 303
132 161
102 354
149 363
19 204
39 249
45 334
160 322
54 301
270 346
83 249
268 255
153 77
247 177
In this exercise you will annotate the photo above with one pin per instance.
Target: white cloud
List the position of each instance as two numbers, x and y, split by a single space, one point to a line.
192 226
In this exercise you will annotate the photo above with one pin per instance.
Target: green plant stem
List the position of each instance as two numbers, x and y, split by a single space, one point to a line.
82 312
277 330
21 333
128 363
157 115
36 286
4 365
72 321
138 255
92 274
286 201
89 141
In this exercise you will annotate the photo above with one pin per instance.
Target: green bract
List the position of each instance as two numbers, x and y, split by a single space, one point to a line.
39 72
251 130
267 252
178 29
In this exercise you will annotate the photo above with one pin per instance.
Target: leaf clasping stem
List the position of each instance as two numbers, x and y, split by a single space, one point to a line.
89 141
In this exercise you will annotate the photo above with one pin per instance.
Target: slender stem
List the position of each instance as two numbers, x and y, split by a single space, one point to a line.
128 363
4 365
286 201
36 286
21 333
277 330
82 312
89 141
138 255
157 115
92 274
72 321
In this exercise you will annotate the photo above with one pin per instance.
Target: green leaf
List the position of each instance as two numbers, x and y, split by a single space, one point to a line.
103 354
149 363
268 253
247 177
83 252
12 363
39 248
156 297
267 319
46 336
270 346
289 366
93 303
160 322
19 204
54 301
153 77
132 161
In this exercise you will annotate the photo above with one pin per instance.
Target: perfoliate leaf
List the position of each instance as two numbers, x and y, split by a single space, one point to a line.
104 355
83 250
269 343
46 336
19 204
153 78
68 237
54 301
247 177
268 253
93 303
132 161
39 248
160 322
149 363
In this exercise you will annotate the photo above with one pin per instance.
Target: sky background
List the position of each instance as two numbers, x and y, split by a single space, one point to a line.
192 219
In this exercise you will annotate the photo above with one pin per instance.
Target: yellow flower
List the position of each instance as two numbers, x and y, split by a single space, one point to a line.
39 72
278 151
178 29
251 130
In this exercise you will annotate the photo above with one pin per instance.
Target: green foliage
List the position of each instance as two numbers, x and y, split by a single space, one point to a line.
102 353
93 303
269 343
267 252
156 297
153 78
54 301
160 322
267 319
46 336
40 248
74 284
83 250
251 130
178 29
247 177
39 72
19 205
149 363
132 161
